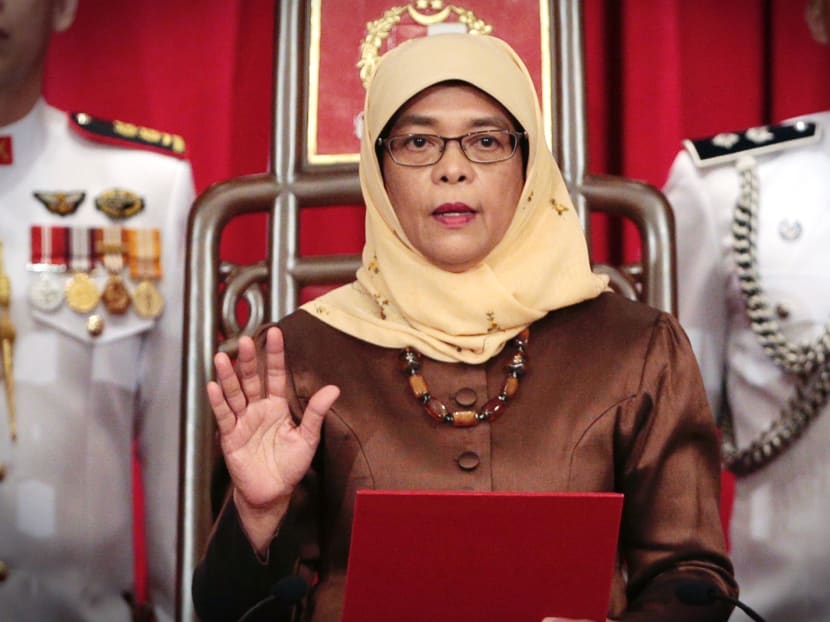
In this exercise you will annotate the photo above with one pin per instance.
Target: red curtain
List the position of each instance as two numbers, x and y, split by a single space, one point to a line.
657 71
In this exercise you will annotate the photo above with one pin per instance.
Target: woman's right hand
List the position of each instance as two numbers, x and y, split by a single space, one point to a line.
266 453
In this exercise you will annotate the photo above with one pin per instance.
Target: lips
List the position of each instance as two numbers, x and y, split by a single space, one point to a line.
454 214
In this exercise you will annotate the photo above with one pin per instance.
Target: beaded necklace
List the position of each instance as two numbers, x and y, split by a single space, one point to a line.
492 409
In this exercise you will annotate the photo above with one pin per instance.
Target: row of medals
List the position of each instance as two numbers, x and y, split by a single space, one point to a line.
83 296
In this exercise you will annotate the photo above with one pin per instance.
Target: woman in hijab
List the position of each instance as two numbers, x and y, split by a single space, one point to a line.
476 282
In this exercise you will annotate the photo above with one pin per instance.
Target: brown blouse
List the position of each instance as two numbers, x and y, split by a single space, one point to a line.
612 401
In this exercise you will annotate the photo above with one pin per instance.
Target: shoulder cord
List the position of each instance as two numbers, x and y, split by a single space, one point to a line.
808 361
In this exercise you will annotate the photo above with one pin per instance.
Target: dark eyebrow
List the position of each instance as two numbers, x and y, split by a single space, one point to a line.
423 120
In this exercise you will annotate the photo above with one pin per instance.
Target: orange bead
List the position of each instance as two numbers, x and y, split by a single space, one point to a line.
418 385
511 386
464 418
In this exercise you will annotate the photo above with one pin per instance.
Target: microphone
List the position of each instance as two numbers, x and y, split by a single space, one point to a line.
701 593
284 593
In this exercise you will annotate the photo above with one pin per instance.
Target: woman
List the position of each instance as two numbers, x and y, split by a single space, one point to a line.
471 244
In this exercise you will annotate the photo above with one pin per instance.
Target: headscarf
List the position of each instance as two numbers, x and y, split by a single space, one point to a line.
402 299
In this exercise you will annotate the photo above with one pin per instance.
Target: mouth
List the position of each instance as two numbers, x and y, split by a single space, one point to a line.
454 214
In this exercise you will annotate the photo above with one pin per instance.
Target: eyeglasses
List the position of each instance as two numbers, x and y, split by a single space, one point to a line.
483 147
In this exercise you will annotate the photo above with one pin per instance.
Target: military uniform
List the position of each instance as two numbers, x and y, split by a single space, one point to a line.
84 198
753 222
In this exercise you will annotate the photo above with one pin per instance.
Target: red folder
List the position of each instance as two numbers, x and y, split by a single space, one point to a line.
419 556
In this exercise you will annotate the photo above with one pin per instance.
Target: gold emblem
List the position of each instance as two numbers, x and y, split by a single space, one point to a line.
115 296
61 203
147 300
119 203
424 13
81 293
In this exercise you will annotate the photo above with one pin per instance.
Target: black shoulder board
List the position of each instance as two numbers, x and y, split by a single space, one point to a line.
728 146
127 134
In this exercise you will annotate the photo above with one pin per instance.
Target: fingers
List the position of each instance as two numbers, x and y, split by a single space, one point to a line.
248 370
275 372
225 417
228 382
315 412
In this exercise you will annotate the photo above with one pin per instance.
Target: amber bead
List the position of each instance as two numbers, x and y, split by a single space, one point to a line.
511 386
436 409
464 418
494 408
418 385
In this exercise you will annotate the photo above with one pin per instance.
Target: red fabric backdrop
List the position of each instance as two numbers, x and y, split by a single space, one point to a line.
658 71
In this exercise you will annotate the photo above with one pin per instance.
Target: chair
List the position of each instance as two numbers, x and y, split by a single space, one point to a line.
270 289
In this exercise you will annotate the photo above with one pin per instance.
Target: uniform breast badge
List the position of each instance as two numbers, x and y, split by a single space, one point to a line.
61 203
144 250
119 204
111 249
81 292
49 247
7 335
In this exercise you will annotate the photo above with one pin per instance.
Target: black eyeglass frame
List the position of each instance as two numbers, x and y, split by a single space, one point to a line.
518 136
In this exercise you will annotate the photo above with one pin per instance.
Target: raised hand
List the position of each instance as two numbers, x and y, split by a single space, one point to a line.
266 453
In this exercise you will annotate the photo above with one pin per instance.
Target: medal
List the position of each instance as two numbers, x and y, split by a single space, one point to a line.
148 300
81 292
45 293
49 247
110 246
145 266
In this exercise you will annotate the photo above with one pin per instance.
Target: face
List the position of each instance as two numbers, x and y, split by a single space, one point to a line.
455 211
25 28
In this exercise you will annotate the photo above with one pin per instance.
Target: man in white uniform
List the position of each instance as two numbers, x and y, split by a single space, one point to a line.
752 210
92 227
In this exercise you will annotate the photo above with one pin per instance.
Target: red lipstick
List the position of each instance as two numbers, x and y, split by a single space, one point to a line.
454 214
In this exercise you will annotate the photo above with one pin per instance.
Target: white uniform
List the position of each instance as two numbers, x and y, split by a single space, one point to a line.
780 527
66 497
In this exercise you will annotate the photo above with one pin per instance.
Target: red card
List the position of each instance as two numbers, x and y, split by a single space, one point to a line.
468 557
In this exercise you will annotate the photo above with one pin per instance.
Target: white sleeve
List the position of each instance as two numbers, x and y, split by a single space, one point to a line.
703 257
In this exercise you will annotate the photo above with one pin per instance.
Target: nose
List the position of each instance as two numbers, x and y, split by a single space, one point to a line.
453 167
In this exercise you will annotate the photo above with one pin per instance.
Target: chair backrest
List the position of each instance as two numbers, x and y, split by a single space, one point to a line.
301 178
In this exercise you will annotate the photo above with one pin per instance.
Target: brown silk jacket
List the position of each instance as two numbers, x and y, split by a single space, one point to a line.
612 401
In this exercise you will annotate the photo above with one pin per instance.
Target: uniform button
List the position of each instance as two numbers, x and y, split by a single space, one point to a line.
782 311
466 397
468 461
4 571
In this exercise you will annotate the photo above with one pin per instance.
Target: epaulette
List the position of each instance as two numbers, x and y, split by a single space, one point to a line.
729 146
127 135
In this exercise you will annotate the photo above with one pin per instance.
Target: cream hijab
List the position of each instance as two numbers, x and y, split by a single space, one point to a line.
400 298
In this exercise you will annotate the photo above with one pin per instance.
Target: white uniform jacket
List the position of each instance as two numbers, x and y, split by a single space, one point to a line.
780 533
65 497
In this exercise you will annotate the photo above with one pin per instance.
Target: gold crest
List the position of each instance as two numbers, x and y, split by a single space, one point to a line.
423 13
